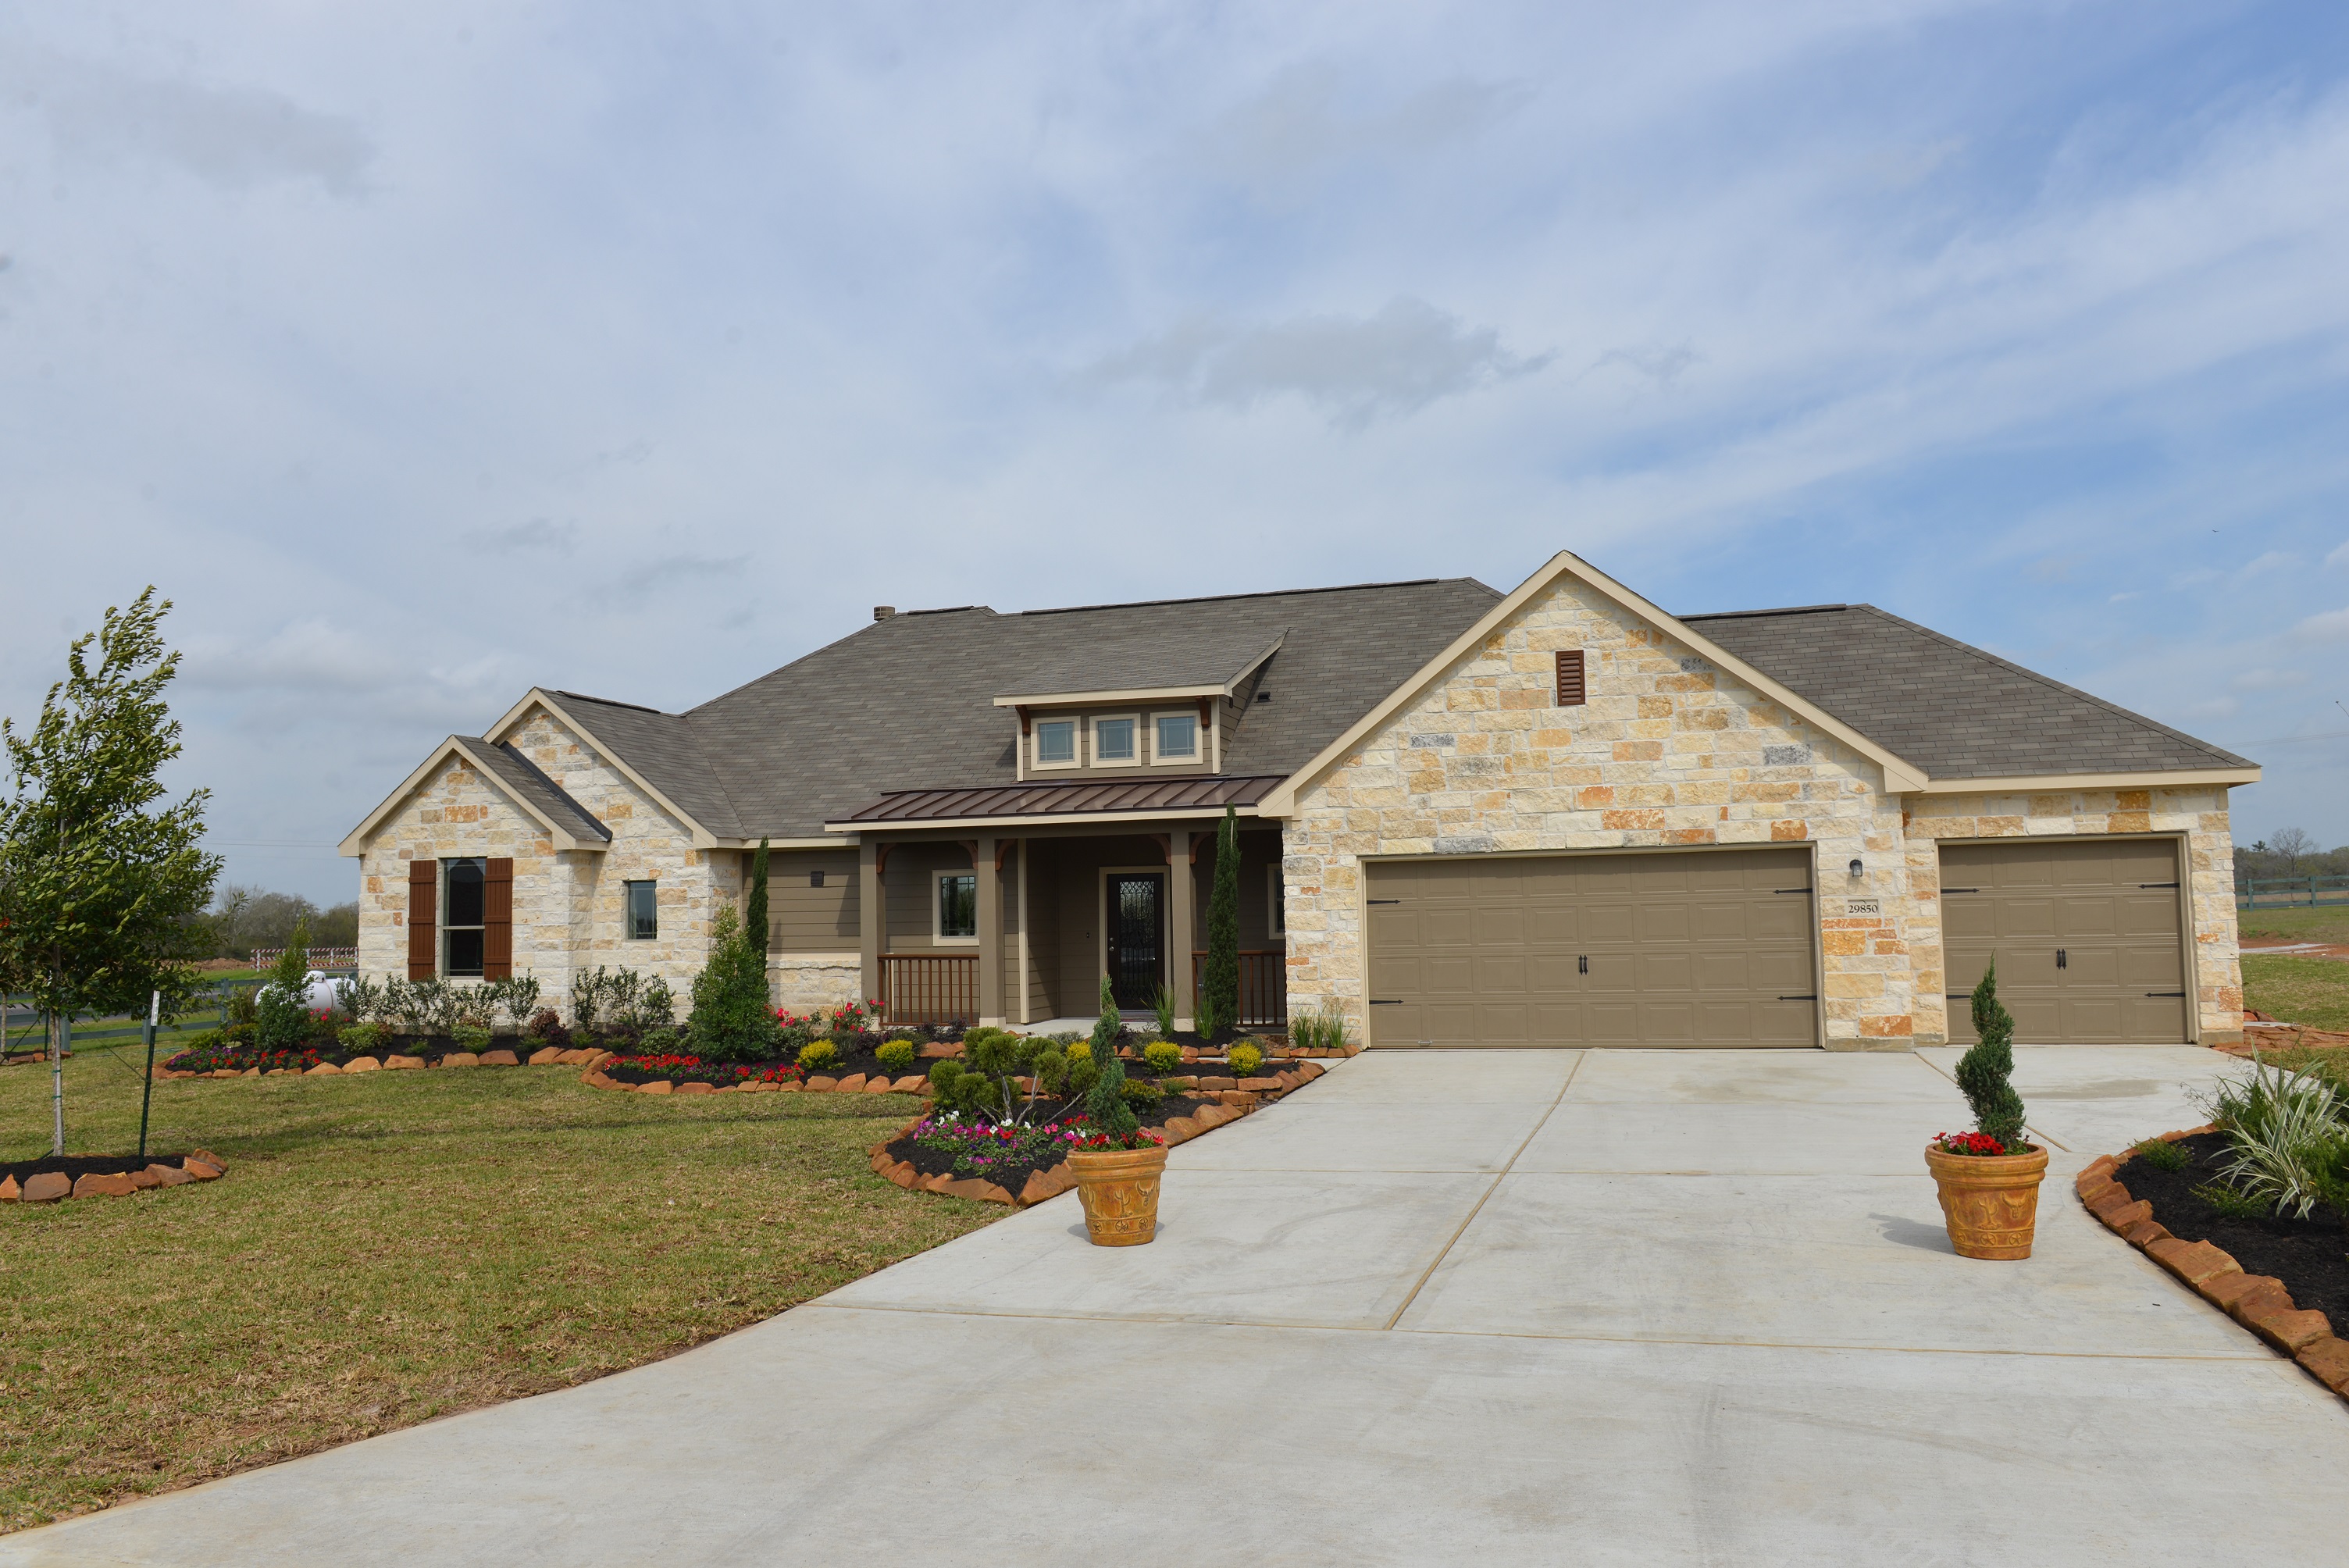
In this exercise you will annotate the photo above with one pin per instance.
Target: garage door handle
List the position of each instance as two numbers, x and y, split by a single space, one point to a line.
2061 961
2161 884
1806 996
1382 901
2165 993
1386 1001
1962 889
1790 890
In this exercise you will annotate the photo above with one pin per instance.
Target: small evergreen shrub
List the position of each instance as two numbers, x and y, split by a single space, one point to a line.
819 1056
1983 1071
584 1041
470 1038
661 1042
730 1020
1143 1095
897 1056
1105 1105
363 1038
1245 1059
2161 1154
1163 1055
2232 1205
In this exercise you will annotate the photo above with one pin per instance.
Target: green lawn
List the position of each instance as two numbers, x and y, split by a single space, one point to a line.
397 1247
2305 922
2312 991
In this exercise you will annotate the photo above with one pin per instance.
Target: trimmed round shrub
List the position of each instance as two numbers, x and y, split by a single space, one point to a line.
819 1056
1245 1060
1163 1055
897 1056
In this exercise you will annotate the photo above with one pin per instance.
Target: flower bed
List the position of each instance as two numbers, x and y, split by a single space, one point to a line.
222 1060
55 1177
2285 1280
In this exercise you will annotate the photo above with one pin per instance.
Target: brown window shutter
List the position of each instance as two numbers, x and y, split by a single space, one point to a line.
423 899
1570 678
497 921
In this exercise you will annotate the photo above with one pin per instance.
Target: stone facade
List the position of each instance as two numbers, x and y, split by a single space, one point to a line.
569 905
804 982
1669 751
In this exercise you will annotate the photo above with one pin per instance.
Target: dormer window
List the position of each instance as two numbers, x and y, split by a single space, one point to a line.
1174 737
1114 741
1056 743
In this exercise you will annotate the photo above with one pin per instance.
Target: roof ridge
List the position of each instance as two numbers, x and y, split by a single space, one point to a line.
1747 615
1262 594
611 702
2050 682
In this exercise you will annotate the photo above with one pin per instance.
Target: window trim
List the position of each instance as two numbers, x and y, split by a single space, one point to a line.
1099 719
937 909
627 908
1276 919
1076 745
1197 757
446 970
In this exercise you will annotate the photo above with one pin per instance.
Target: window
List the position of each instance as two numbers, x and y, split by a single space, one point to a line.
955 915
1113 741
1279 920
1177 737
465 904
1056 743
644 910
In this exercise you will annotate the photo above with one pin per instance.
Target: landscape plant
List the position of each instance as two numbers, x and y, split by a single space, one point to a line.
282 1020
731 1020
2289 1149
1983 1075
755 906
1106 1110
1245 1059
1323 1029
472 1038
819 1056
1219 983
1164 1006
1163 1055
897 1056
102 887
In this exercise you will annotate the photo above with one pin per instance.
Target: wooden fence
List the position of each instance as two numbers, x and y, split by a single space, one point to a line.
1264 985
929 988
320 957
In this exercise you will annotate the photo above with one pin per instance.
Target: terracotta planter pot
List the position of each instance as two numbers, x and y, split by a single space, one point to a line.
1990 1201
1118 1188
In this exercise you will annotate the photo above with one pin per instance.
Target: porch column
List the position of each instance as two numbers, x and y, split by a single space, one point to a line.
990 933
1180 924
1025 1005
869 913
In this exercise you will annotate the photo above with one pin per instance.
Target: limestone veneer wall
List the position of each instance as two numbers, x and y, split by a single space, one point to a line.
2198 817
569 905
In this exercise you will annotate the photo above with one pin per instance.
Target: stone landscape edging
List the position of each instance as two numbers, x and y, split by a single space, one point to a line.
1231 1093
393 1061
1056 1179
2258 1302
52 1186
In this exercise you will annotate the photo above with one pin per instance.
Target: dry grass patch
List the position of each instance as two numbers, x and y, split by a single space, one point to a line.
397 1246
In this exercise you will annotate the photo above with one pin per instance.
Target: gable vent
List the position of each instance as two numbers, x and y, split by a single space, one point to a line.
1570 692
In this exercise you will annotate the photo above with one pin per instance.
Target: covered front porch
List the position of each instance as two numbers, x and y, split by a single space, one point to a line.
969 919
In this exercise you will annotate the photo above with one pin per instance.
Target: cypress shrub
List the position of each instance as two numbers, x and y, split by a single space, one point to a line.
1983 1072
1105 1106
1219 987
754 909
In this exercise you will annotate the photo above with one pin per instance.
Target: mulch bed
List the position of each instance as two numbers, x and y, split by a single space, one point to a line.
57 1176
1013 1177
2310 1256
2285 1286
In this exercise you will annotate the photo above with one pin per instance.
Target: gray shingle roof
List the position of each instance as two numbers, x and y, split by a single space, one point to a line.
1141 658
1954 710
521 776
908 703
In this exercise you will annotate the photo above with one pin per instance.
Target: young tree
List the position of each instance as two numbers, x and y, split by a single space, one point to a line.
1219 984
102 884
754 909
730 1020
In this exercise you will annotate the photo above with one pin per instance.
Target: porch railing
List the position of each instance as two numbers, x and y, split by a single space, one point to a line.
1264 985
929 988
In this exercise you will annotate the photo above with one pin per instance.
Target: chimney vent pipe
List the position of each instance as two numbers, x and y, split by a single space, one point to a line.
882 612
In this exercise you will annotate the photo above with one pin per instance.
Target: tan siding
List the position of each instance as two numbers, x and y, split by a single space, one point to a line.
804 918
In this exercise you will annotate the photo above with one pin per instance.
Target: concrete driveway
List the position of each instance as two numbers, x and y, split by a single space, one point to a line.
1531 1307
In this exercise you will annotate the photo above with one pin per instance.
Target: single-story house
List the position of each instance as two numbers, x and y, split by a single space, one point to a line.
1556 816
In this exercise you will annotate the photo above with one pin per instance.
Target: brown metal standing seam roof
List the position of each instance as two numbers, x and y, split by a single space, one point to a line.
1066 799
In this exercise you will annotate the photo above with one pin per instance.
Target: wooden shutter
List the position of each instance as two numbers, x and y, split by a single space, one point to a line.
497 921
1569 678
423 899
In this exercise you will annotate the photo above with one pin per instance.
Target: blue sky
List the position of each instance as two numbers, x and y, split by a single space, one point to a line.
424 354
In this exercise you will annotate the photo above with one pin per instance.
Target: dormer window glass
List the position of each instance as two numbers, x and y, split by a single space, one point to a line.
1176 737
1113 741
1056 743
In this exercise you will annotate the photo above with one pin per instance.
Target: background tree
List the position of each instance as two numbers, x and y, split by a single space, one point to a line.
102 884
1219 984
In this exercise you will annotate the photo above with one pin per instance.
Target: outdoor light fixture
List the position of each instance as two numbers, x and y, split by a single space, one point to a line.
1854 865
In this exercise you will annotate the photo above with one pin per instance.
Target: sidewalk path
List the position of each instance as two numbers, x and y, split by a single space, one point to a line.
1533 1307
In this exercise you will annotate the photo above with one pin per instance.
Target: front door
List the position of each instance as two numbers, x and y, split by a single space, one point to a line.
1136 922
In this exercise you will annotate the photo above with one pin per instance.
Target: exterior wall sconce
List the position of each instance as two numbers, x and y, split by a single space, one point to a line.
1856 866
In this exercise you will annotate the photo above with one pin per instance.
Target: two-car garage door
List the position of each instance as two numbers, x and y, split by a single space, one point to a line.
1693 947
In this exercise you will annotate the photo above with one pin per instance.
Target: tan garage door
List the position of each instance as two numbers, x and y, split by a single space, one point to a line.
1673 948
2087 936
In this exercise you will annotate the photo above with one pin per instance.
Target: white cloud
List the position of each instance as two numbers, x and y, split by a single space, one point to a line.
1394 361
2339 556
2269 680
2331 626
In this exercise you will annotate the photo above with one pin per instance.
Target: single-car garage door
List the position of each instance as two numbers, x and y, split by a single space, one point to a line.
2087 935
1690 947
